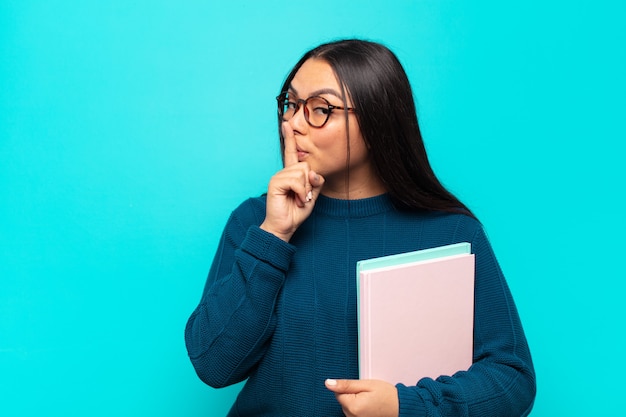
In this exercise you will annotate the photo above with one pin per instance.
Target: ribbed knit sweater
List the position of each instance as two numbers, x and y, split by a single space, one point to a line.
283 315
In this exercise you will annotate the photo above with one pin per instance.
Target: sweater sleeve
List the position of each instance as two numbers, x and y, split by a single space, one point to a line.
228 331
501 380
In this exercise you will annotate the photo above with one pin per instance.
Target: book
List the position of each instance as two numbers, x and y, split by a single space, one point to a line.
416 314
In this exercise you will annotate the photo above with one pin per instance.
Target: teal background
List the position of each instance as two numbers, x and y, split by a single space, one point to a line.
130 130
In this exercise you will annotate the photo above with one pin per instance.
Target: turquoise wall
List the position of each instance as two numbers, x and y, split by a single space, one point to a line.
129 130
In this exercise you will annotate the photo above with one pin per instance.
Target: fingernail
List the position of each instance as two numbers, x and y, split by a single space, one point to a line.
309 196
331 382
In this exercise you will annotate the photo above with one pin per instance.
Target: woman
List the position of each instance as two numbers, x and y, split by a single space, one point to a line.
279 306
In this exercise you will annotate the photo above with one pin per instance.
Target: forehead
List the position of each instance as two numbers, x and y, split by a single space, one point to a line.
315 77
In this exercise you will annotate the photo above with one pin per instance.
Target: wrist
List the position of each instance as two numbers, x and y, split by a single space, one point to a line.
283 236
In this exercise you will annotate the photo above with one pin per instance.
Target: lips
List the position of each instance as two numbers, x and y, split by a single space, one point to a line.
301 153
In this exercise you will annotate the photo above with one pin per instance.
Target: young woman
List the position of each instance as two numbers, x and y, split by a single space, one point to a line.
279 305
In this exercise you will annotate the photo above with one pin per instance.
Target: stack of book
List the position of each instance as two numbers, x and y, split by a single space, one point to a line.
416 314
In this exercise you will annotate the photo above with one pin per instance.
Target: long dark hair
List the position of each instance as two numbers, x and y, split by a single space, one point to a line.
372 76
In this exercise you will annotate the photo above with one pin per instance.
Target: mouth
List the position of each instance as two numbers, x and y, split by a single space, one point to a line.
301 153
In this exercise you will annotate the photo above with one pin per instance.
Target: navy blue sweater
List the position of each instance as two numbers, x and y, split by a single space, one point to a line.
283 315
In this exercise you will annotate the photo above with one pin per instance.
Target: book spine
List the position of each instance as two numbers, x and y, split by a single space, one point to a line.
365 357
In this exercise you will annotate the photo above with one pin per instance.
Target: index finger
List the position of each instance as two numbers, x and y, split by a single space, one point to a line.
291 153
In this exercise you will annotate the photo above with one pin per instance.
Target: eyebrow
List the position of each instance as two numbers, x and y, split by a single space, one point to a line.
318 92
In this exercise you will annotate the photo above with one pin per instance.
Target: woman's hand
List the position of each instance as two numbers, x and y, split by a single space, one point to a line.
365 397
291 193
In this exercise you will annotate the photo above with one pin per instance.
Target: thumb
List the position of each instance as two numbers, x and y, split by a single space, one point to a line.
346 386
316 180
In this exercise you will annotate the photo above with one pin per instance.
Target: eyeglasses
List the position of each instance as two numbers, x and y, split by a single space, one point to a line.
317 109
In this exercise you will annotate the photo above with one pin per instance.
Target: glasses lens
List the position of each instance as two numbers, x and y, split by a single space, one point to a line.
286 107
318 111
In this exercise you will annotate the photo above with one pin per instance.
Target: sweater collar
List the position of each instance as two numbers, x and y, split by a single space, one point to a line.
353 208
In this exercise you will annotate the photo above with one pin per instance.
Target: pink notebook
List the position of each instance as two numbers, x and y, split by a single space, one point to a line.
416 314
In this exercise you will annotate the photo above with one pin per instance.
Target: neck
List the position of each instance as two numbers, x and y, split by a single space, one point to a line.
354 189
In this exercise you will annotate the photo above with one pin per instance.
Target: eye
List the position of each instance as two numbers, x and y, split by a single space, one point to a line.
318 106
289 106
321 110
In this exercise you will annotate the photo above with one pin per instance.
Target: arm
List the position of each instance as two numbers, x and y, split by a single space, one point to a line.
227 333
501 381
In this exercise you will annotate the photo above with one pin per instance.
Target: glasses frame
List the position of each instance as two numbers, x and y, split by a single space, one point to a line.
282 98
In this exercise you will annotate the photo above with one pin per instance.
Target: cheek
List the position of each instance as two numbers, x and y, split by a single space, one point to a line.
358 147
331 140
